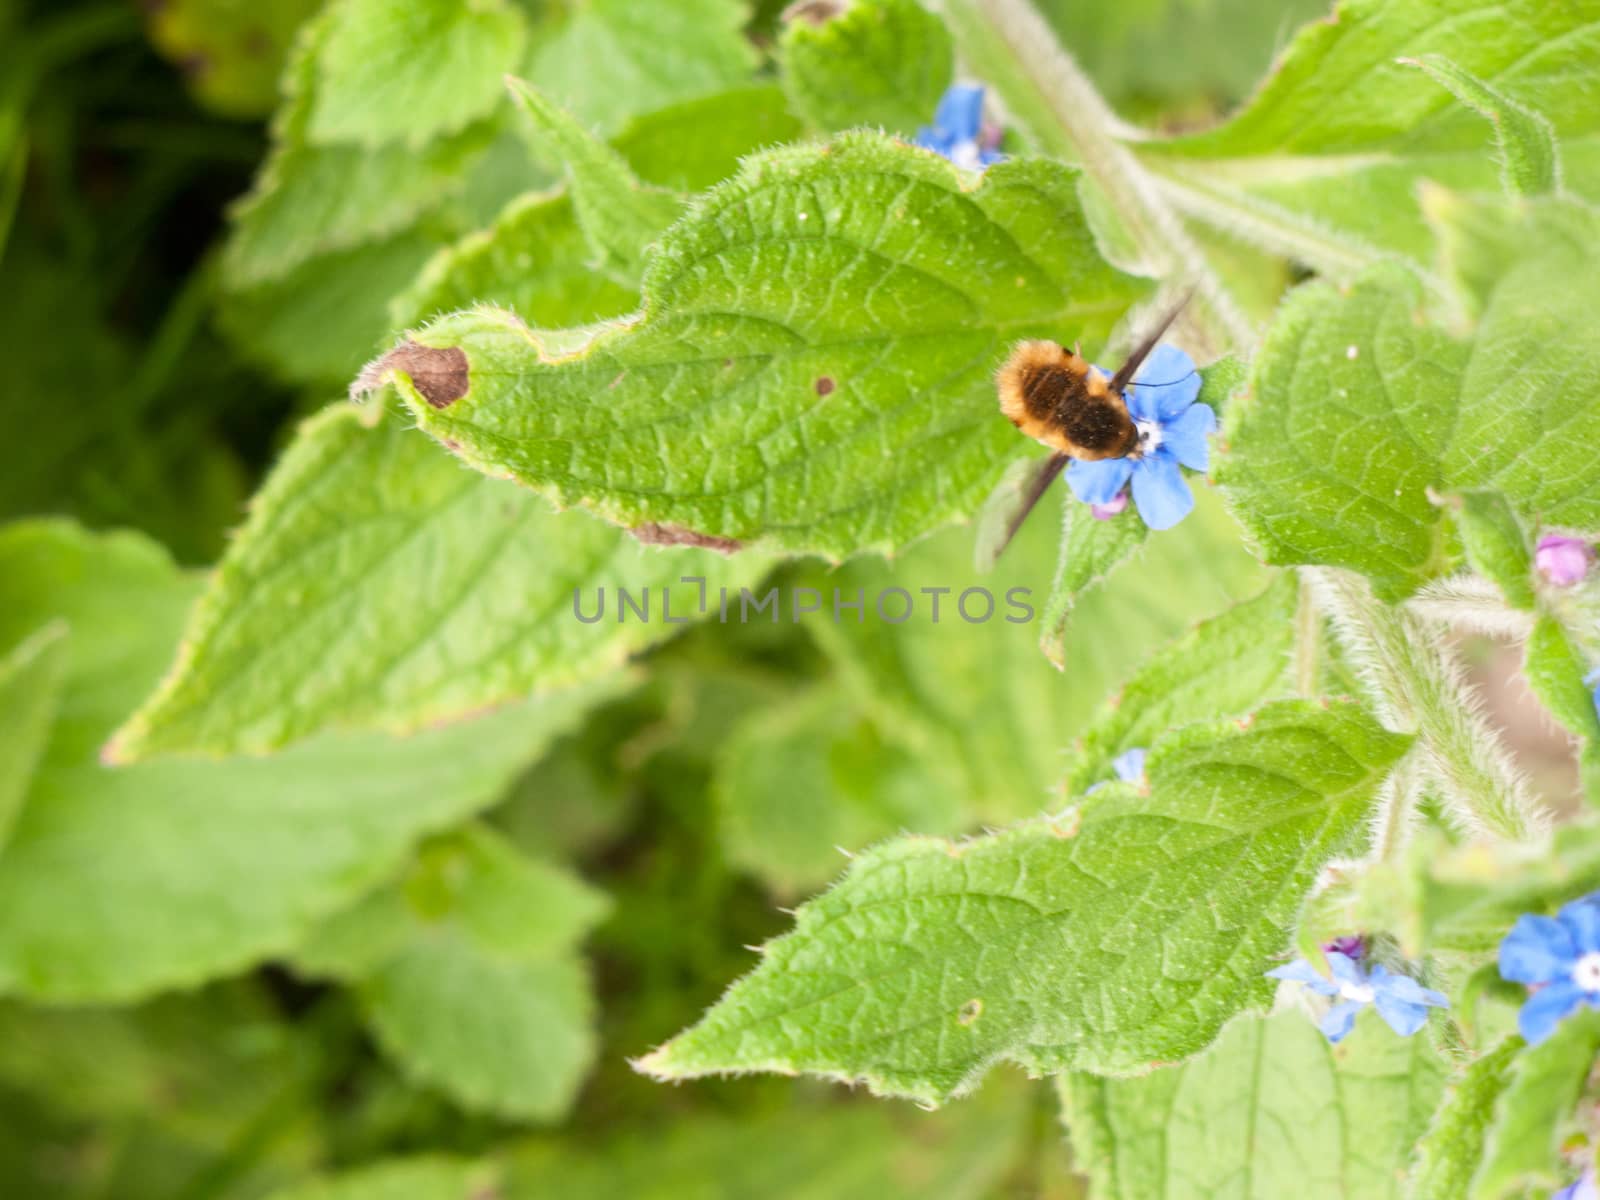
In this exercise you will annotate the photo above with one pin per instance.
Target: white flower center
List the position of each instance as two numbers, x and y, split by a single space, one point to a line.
1360 993
967 155
1586 972
1149 437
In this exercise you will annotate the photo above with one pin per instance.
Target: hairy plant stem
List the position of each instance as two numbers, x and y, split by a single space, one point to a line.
1418 687
1307 643
1011 47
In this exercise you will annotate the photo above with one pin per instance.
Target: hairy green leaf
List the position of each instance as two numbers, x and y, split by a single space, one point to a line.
410 71
30 696
1271 1110
619 216
827 388
881 63
1229 664
931 960
693 144
1530 159
383 587
121 882
1450 1152
1496 545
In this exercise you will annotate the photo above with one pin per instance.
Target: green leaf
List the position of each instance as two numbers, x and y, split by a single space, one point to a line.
974 697
231 54
1535 1111
1324 162
693 144
607 60
1450 1152
1227 665
385 588
410 71
932 960
533 260
30 696
800 782
841 360
468 971
881 63
1555 673
1496 545
1530 159
320 322
854 1151
310 200
619 216
1329 456
1271 1110
107 870
420 1178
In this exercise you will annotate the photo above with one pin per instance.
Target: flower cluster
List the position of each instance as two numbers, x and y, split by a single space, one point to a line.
1402 1002
1173 431
958 132
1559 958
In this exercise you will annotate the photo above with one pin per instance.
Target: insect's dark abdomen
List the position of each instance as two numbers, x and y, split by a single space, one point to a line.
1046 390
1099 427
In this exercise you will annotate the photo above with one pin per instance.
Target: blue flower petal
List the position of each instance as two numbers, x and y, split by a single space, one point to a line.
960 113
1129 765
1160 491
1339 1021
1344 968
1300 971
1401 1016
936 140
1407 990
1166 383
1582 919
1537 950
1538 1018
1098 482
1185 436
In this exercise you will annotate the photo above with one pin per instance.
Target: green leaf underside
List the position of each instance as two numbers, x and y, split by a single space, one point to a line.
409 71
813 366
383 587
1270 1111
1327 156
1555 672
881 63
1359 415
468 972
30 695
1230 664
1109 939
120 882
1535 1112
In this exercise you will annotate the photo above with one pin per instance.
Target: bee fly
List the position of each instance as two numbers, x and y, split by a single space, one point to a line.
1055 397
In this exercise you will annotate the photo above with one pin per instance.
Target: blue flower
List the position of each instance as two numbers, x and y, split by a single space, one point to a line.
1560 957
1400 1001
1592 682
957 131
1581 1188
1129 766
1172 430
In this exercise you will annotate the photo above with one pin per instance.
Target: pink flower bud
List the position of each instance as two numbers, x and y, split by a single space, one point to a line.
1563 561
1104 512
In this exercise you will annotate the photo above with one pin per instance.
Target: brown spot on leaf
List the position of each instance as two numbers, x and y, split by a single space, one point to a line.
824 386
971 1011
441 376
656 534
